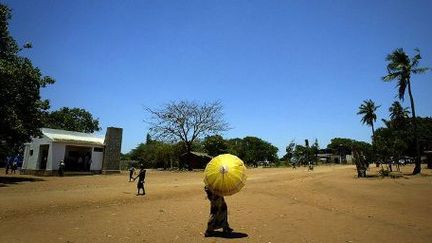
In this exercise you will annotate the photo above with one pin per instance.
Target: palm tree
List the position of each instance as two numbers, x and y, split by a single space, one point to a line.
397 112
400 67
398 117
367 109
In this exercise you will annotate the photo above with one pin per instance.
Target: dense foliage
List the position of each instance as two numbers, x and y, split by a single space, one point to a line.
397 140
72 119
400 67
21 106
163 155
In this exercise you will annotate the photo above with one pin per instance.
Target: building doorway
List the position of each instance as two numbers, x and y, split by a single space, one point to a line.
43 156
78 158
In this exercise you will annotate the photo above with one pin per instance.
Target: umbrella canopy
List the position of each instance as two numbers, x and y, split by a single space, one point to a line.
225 175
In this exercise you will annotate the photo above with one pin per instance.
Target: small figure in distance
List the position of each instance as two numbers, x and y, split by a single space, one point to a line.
61 168
131 172
14 167
218 214
141 179
310 166
8 165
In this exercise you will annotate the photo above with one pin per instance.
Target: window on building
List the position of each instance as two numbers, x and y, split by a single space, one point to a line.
31 152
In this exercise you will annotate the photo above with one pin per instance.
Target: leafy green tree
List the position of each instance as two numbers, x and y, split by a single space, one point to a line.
305 154
344 146
155 154
315 150
397 112
21 106
398 117
252 150
367 109
148 139
300 154
390 144
215 145
235 147
72 119
256 149
400 67
338 145
126 156
394 141
362 152
289 152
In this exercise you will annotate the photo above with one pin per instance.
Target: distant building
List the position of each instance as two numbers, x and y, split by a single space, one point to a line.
194 160
328 156
81 152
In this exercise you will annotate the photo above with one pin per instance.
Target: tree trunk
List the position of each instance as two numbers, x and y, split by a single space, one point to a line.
189 150
373 147
188 147
417 168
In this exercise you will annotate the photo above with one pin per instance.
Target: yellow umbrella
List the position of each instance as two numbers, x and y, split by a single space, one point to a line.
225 175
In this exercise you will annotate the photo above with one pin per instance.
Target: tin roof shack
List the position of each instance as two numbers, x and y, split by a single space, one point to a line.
194 160
81 152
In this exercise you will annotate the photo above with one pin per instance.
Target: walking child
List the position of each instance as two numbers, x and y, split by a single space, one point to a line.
141 178
131 172
61 168
14 167
7 166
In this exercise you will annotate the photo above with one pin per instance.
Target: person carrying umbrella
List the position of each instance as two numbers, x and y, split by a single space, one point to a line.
224 176
218 214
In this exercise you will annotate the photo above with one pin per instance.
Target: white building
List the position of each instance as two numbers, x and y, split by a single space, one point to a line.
81 152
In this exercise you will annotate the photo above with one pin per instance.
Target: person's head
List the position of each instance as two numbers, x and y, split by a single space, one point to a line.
141 166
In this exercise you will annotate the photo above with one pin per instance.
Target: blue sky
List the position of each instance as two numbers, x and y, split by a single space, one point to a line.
283 70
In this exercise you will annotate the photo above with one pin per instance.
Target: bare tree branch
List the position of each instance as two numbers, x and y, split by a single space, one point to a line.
186 121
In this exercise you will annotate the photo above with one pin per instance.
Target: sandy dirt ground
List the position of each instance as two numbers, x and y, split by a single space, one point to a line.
328 204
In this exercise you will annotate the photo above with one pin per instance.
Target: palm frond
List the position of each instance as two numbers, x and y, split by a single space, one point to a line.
416 58
402 84
391 76
420 70
367 109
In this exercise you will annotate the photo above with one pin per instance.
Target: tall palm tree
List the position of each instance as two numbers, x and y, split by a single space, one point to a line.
367 109
400 67
397 112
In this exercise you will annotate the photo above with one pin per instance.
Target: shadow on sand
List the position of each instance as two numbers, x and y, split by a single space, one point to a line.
232 235
373 176
7 180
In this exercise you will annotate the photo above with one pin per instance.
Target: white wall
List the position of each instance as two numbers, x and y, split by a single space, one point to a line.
97 158
26 156
31 163
58 153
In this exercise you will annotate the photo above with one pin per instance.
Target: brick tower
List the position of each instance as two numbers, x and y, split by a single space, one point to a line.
111 159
